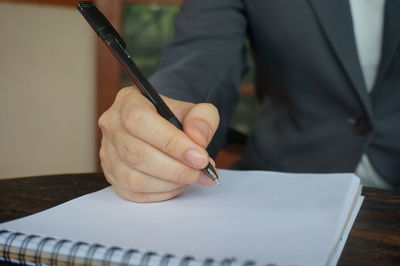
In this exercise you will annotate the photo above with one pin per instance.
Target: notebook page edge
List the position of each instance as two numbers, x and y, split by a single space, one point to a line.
352 196
346 232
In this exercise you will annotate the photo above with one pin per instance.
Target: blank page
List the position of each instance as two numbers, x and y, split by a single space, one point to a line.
269 217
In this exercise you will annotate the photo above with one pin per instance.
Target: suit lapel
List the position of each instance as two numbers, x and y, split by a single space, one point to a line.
336 21
391 36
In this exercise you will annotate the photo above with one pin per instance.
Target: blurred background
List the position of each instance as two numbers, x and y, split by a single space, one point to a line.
56 78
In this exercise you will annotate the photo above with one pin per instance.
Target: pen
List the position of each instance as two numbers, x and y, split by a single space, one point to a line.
117 46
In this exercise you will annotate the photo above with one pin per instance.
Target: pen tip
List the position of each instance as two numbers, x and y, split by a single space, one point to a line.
212 173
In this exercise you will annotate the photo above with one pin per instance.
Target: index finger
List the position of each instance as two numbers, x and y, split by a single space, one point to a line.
153 129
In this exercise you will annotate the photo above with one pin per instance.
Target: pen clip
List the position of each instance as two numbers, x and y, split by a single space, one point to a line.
98 21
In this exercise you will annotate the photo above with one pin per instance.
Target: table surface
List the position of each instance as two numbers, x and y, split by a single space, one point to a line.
374 238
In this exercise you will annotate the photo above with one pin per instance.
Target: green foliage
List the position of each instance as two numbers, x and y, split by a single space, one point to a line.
147 29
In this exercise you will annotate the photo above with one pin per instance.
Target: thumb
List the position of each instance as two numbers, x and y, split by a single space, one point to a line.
200 123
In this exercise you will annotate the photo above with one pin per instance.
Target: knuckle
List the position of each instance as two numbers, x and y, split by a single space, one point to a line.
135 118
109 177
103 121
171 142
102 154
122 93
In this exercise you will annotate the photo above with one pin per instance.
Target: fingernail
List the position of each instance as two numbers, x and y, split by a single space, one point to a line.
205 181
196 158
203 127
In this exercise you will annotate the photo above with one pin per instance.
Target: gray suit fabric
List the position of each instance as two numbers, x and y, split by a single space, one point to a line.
317 115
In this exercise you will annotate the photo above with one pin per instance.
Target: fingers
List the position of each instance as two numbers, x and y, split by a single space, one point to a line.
144 156
117 172
201 122
133 185
153 129
139 155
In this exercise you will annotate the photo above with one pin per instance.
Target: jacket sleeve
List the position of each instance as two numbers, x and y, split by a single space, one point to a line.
206 59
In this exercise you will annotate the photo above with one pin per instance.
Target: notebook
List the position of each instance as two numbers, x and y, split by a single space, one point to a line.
253 218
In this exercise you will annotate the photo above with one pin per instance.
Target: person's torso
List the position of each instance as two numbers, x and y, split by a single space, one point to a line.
317 115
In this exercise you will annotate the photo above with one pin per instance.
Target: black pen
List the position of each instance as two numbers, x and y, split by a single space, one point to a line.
117 45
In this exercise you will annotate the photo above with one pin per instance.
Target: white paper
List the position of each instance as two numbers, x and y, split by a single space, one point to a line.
269 217
343 238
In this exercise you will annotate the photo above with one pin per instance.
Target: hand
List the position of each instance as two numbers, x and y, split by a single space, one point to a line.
144 157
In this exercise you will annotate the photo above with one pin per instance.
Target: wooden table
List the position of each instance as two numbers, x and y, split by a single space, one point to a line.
374 239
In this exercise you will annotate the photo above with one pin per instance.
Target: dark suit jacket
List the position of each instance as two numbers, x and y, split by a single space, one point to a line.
317 115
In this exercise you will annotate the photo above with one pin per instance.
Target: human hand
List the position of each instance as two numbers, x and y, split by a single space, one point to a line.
144 157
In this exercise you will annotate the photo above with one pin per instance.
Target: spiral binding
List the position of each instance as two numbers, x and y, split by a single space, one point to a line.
4 247
107 259
127 256
146 258
109 253
186 260
73 251
7 246
227 261
249 263
56 251
24 245
208 262
39 250
165 259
